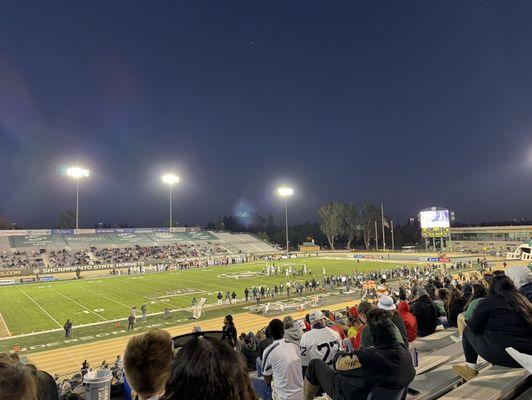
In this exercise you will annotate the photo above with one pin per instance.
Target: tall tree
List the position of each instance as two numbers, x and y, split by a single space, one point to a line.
4 223
66 219
351 222
369 213
332 220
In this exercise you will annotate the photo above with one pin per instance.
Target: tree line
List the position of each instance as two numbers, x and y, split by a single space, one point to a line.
343 225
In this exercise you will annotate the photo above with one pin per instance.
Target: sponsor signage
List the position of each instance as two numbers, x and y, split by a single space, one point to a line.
6 282
91 267
433 259
63 231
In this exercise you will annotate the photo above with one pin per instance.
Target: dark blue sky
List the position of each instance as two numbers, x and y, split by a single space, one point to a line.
412 103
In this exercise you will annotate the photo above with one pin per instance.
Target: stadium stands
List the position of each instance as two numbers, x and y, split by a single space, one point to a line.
47 250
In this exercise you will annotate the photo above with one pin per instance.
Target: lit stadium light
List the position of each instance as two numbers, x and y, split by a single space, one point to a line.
77 173
285 191
170 180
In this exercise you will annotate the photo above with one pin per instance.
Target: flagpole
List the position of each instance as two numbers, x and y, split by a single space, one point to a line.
376 237
382 221
393 244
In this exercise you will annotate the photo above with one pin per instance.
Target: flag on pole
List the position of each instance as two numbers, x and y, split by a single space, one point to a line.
385 223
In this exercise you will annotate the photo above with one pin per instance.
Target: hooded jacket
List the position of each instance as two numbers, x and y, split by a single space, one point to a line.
293 335
522 279
409 319
426 315
386 355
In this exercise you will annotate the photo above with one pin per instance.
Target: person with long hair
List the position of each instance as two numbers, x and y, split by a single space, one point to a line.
206 368
455 306
479 292
502 319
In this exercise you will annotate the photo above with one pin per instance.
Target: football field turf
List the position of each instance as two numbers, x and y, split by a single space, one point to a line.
47 305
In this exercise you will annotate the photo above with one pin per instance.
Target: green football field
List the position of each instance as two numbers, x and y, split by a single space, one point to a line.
44 306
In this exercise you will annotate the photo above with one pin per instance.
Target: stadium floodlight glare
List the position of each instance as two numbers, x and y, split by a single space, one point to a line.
170 180
77 173
286 192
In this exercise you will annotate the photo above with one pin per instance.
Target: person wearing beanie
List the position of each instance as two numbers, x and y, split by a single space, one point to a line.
425 311
320 342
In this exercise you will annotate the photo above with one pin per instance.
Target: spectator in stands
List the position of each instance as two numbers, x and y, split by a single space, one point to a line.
522 279
264 342
207 368
16 381
363 308
409 319
478 294
442 298
292 332
249 351
282 364
386 303
147 361
320 342
455 305
45 383
425 312
387 364
229 330
502 319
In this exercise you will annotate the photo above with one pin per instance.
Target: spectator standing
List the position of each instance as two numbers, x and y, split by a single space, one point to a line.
502 319
320 342
219 297
144 312
282 364
229 330
425 312
246 294
233 297
131 322
147 361
68 329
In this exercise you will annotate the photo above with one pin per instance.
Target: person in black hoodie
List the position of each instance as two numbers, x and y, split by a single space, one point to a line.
502 319
387 364
229 330
425 311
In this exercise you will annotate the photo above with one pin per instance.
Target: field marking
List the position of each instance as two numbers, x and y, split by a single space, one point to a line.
79 304
38 305
4 330
105 297
130 291
71 356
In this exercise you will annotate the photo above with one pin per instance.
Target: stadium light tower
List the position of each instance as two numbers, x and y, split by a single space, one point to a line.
286 192
77 173
170 180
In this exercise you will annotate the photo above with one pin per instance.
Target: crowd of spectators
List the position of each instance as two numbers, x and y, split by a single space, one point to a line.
21 259
344 354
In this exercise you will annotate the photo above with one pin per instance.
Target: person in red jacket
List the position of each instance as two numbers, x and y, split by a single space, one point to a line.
409 319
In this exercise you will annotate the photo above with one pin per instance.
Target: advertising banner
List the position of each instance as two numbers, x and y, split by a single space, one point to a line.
36 241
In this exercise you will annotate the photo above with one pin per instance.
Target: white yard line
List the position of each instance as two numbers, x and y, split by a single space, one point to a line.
79 304
105 297
3 323
71 356
38 305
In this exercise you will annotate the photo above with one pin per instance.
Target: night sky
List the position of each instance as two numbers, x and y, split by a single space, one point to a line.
409 103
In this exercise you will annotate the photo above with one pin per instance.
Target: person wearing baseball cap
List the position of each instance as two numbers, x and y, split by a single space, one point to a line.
320 342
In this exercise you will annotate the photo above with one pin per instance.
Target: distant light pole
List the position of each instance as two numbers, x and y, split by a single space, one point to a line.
77 173
286 192
170 180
